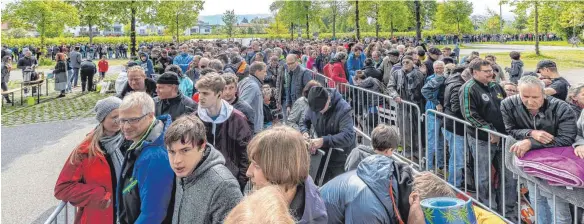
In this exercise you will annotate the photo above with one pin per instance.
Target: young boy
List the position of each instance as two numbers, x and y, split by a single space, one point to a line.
516 69
102 67
206 191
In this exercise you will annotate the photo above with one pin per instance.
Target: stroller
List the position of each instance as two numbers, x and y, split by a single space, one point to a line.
28 75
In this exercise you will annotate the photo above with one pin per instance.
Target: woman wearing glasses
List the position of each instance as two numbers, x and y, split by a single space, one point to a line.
88 178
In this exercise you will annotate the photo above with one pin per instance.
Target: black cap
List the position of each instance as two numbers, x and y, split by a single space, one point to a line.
170 78
435 51
393 52
317 98
132 63
545 64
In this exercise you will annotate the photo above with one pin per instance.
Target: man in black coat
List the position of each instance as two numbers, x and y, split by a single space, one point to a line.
87 70
170 100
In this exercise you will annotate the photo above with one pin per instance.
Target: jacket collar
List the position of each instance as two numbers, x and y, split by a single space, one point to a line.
224 114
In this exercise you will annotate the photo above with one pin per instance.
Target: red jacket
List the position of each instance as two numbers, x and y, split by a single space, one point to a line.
88 186
102 66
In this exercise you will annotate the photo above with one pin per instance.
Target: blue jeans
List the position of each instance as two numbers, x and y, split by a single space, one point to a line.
456 159
69 76
545 209
73 79
435 142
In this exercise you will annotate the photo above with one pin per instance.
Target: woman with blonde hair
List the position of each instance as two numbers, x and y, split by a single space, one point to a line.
88 178
279 156
265 206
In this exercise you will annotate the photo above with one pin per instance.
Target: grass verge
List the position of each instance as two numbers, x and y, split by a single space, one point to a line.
541 43
563 59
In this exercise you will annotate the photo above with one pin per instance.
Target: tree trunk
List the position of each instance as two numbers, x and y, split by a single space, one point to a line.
334 20
357 20
376 21
307 25
177 32
391 27
501 20
133 31
90 31
292 31
418 22
536 29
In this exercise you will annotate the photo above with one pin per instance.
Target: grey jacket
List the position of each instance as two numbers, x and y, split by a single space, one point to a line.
297 113
246 109
580 136
208 194
249 90
357 155
75 58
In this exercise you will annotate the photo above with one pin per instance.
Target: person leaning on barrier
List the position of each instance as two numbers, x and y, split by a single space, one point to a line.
576 98
206 191
539 121
264 206
170 99
371 71
333 124
392 58
88 178
406 83
454 131
145 186
296 116
433 91
279 156
138 82
480 100
384 140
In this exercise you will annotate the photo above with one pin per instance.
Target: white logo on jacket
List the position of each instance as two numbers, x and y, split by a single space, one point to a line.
485 97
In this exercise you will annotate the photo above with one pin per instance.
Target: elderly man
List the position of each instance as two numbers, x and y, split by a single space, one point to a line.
389 61
433 91
183 59
138 82
480 100
539 121
144 191
434 54
204 63
249 90
170 100
298 77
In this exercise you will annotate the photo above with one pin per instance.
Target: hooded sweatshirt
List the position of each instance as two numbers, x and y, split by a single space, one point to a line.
146 64
362 195
515 71
229 132
307 205
183 60
357 155
208 194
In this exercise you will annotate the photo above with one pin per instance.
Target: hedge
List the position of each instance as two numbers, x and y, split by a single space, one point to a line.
140 39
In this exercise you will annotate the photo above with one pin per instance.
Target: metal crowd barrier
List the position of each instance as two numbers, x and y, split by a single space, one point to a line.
323 80
62 210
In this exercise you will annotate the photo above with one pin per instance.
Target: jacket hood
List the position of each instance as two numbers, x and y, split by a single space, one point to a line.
224 114
314 208
335 98
454 78
517 62
156 136
376 171
144 54
211 157
366 149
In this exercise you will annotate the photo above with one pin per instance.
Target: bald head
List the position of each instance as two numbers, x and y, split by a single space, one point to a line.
203 63
292 62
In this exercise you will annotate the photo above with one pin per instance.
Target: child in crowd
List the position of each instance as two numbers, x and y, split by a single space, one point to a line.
516 69
102 67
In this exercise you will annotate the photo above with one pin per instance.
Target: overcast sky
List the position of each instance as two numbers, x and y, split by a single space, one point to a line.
213 7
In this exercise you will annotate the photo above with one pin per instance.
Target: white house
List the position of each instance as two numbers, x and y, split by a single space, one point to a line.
200 28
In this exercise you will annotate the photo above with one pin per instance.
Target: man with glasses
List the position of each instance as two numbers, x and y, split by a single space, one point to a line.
138 82
510 88
480 100
556 85
298 77
145 186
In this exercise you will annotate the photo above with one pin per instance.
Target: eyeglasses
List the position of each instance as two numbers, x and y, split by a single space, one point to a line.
131 121
510 90
487 71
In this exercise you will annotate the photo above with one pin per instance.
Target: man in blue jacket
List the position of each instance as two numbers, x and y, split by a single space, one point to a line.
433 91
330 115
355 62
183 59
145 187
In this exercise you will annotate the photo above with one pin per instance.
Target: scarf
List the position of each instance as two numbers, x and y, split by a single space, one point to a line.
112 146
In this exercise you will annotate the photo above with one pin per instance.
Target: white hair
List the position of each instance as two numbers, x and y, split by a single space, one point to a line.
401 47
136 99
438 63
532 81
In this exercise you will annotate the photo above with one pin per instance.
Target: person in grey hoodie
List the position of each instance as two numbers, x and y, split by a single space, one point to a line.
75 58
206 191
384 140
249 90
516 69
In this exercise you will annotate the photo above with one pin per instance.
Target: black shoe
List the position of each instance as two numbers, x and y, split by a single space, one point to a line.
61 96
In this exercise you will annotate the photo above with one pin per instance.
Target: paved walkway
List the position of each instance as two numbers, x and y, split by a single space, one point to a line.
32 158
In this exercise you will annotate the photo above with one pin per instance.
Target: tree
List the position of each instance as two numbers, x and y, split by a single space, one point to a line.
229 19
177 16
418 22
276 28
492 23
129 12
334 10
244 20
454 16
372 10
394 15
49 18
357 20
90 17
533 6
520 22
572 16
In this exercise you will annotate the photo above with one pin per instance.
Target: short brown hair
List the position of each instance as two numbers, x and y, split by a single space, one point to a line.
309 85
515 55
186 129
475 64
428 185
256 67
384 137
211 81
230 78
282 154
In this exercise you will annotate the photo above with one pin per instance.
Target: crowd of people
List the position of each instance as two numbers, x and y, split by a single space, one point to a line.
214 131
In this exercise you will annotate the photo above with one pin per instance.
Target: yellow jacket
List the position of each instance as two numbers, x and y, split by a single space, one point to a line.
486 217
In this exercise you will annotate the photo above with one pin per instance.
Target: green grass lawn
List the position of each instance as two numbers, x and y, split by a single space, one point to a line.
541 43
563 59
113 62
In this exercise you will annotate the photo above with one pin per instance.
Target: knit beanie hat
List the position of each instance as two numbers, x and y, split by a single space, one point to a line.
168 78
317 98
105 106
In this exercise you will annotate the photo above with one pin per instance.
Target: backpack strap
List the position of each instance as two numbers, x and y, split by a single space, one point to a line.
395 211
